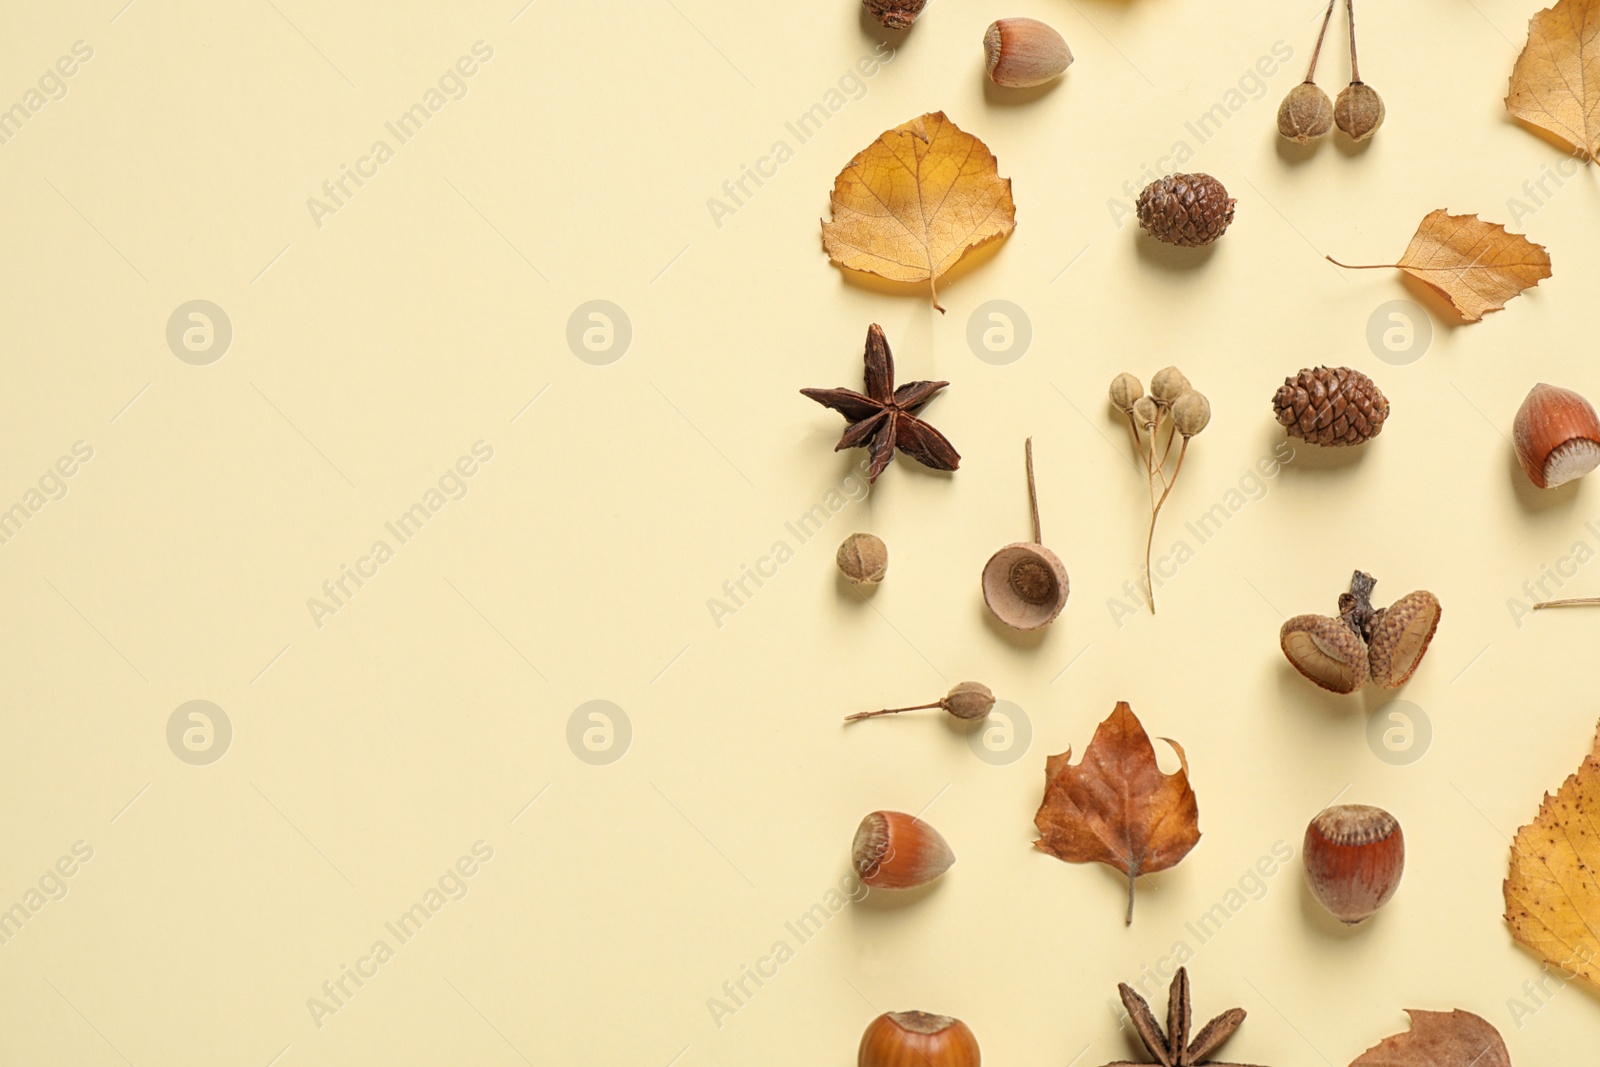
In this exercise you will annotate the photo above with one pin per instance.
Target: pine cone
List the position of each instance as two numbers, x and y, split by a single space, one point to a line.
895 14
1331 406
1185 209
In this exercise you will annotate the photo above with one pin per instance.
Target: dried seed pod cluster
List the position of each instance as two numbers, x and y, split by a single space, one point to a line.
1020 53
1331 406
1306 112
1557 436
1173 409
1354 856
1025 584
1342 653
1188 210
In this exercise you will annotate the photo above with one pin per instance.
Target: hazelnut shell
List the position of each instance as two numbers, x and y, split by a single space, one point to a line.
1401 634
1018 608
1326 651
1354 856
1020 53
917 1039
1557 436
893 850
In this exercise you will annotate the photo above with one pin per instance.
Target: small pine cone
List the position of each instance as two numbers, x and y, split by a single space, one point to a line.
895 14
1185 209
1331 406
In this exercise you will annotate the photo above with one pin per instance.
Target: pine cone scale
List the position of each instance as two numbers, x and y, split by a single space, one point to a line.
1332 406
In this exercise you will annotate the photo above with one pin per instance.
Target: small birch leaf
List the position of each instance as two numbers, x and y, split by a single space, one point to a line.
1556 82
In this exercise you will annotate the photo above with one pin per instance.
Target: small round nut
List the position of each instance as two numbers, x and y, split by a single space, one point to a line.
1305 114
1020 53
1191 413
1125 389
863 559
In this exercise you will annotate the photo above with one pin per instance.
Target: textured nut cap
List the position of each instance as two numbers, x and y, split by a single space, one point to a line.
1025 585
1354 856
863 559
1019 53
1185 209
917 1039
1401 634
1305 114
1331 406
1557 436
895 14
893 850
1326 651
1359 110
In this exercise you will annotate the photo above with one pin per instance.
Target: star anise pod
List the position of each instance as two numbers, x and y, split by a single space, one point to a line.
1172 1047
886 418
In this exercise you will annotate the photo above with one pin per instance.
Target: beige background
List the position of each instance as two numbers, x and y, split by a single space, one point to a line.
428 312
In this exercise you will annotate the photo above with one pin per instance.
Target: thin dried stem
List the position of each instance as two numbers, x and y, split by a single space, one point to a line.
1033 495
1155 512
1317 51
1355 69
1362 266
1569 602
891 711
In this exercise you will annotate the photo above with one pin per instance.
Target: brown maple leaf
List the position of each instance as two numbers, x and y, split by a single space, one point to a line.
1556 82
1476 265
910 204
885 418
1117 807
1552 891
1439 1039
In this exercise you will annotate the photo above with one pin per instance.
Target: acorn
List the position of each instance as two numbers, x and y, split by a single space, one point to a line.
1557 436
1342 653
1020 53
893 850
1354 856
917 1039
1359 110
863 559
1306 113
1024 583
966 700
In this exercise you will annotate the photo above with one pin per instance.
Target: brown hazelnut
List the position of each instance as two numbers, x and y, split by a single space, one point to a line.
917 1039
1354 855
1019 53
893 850
1557 436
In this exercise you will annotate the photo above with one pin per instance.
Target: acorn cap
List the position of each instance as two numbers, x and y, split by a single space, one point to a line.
1401 634
1305 114
1326 651
1025 585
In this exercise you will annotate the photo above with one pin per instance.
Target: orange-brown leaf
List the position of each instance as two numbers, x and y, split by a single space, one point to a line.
1476 265
912 203
1117 806
1556 82
1440 1039
1553 889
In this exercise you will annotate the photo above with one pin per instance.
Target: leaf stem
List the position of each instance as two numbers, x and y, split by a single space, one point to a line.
1569 602
891 711
1131 879
1355 69
1033 494
1362 266
1317 51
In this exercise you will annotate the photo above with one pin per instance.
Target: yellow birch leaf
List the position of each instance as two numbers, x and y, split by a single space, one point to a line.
1476 265
1553 889
912 203
1556 82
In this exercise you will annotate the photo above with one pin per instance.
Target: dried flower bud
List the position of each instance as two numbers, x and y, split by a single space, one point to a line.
1305 114
863 559
1125 389
1191 412
1359 110
1146 412
1168 384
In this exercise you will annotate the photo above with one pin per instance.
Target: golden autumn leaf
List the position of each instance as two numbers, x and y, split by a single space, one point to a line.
1117 807
1553 890
1476 265
912 203
1556 82
1440 1039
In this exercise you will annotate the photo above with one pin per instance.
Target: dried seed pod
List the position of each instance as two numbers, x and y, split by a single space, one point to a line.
1354 856
863 559
1125 389
1359 110
1305 114
1167 384
1191 413
895 14
917 1039
1326 651
1401 634
1185 209
966 700
1557 436
1025 584
893 850
1145 412
1020 52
